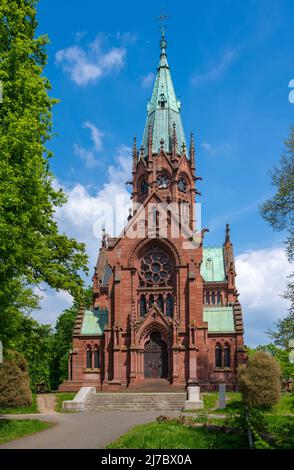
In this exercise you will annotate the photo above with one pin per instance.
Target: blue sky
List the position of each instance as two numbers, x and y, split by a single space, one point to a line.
231 64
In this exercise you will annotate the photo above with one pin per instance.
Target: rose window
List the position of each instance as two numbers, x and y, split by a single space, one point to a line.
156 267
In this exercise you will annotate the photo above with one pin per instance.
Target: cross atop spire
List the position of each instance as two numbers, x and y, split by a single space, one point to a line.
162 19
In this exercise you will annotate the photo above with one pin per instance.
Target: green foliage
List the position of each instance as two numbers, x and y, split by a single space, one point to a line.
281 431
13 429
14 381
282 356
259 381
279 213
34 342
172 434
62 340
284 331
33 408
32 251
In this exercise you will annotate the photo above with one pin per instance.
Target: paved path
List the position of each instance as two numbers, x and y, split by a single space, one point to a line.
46 403
81 430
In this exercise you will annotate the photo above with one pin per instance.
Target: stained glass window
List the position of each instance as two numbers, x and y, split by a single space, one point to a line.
227 359
218 356
169 306
156 267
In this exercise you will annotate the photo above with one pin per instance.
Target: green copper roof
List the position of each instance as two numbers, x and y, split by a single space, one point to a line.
94 322
164 109
220 319
212 267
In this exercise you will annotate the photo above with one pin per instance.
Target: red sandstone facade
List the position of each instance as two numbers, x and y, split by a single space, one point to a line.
150 293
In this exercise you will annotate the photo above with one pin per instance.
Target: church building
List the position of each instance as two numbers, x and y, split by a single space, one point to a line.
165 306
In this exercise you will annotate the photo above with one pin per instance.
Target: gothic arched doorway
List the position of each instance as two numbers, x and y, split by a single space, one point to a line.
155 358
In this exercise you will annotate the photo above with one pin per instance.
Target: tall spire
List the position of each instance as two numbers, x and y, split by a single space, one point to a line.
163 110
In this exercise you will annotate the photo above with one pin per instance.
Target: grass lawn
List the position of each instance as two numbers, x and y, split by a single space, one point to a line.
174 435
286 405
15 428
282 430
23 410
234 404
60 397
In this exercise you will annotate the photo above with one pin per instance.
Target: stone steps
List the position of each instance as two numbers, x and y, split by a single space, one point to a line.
135 401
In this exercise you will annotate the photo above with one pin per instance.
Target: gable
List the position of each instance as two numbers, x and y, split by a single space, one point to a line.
94 322
213 267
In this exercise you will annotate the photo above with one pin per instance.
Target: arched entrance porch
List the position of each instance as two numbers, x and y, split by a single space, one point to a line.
155 358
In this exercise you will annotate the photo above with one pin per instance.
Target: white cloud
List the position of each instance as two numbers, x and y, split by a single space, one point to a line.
90 64
51 305
216 149
127 38
261 280
228 57
147 80
96 135
88 155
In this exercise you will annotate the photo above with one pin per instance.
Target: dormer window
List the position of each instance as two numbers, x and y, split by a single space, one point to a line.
162 100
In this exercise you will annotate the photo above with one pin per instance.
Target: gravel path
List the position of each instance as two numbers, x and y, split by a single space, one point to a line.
81 430
46 403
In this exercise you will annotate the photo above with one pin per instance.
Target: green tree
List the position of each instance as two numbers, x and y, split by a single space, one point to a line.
32 251
259 381
279 213
282 356
34 342
14 381
62 340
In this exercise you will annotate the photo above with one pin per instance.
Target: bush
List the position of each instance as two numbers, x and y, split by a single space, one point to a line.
14 381
260 381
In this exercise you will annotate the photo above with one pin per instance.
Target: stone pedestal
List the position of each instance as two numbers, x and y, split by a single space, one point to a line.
193 402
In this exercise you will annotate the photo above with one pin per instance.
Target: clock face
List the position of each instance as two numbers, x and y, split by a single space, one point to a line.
144 187
182 184
162 181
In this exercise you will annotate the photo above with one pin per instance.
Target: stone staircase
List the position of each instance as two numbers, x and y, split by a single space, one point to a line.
135 401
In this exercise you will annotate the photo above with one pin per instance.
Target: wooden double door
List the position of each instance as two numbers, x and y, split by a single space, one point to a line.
155 358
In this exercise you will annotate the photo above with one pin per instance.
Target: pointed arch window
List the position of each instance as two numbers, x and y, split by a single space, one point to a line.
89 358
96 358
227 356
160 302
218 356
219 300
169 306
143 309
213 297
151 301
207 297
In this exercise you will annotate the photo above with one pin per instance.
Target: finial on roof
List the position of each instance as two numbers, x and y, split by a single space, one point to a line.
192 151
141 152
149 141
227 239
162 43
162 19
174 141
162 144
135 155
183 148
135 147
104 238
